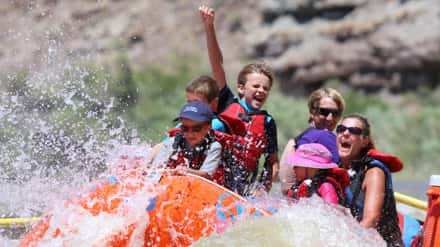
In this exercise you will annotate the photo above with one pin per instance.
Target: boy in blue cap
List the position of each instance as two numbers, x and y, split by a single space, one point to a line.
204 89
193 147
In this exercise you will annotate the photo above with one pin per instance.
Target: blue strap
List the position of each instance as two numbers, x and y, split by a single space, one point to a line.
377 163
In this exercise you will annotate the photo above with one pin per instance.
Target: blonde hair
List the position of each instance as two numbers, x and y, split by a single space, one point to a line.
259 68
316 96
204 86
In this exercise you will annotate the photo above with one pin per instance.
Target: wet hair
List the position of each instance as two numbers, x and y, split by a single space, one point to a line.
259 68
366 131
204 86
316 96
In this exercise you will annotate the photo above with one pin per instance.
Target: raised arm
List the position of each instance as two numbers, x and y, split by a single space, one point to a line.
215 54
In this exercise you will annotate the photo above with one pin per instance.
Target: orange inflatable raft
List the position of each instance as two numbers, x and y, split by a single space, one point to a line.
133 211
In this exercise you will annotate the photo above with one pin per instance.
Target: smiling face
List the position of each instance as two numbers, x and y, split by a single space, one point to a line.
194 132
325 116
350 144
255 90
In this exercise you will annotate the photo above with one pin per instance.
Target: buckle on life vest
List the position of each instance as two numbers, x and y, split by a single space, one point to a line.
245 117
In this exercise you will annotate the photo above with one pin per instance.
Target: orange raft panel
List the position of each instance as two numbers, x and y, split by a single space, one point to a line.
174 212
431 227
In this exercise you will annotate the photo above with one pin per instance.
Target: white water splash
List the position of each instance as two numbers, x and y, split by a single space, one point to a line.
310 222
57 124
85 229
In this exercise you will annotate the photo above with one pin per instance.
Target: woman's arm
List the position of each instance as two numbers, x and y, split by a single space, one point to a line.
374 187
214 52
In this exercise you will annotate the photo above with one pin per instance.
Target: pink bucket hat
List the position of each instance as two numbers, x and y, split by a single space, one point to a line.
313 155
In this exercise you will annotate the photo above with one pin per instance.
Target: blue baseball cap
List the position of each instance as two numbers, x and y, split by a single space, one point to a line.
197 111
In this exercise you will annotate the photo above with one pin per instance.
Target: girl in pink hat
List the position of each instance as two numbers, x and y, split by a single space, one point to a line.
316 173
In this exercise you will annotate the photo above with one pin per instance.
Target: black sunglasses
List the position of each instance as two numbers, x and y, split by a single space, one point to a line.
353 130
326 111
195 128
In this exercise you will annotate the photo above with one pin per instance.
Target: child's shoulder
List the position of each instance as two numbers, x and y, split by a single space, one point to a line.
226 98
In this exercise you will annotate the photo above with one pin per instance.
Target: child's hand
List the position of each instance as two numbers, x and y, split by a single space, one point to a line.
207 15
179 170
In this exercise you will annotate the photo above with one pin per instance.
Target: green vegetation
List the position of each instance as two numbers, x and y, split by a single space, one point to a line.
404 125
95 105
160 94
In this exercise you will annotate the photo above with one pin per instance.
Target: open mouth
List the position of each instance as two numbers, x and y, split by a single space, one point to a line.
346 145
259 98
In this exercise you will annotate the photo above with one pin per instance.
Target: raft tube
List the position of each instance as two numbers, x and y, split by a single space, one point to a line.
177 211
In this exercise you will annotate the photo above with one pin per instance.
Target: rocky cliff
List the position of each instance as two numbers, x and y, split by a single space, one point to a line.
368 44
371 45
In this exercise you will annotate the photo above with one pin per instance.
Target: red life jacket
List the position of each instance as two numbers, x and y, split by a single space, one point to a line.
249 137
393 163
338 177
193 158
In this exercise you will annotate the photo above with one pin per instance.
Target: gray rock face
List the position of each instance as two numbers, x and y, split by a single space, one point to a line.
146 31
367 44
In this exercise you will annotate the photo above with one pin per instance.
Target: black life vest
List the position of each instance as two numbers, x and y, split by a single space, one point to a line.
193 157
337 177
388 225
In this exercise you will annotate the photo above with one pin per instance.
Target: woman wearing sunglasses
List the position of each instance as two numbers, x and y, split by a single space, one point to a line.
326 106
370 193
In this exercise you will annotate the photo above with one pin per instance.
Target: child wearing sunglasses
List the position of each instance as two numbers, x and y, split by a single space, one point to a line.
204 89
192 148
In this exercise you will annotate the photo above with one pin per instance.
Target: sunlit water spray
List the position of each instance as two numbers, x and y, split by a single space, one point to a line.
58 124
309 222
